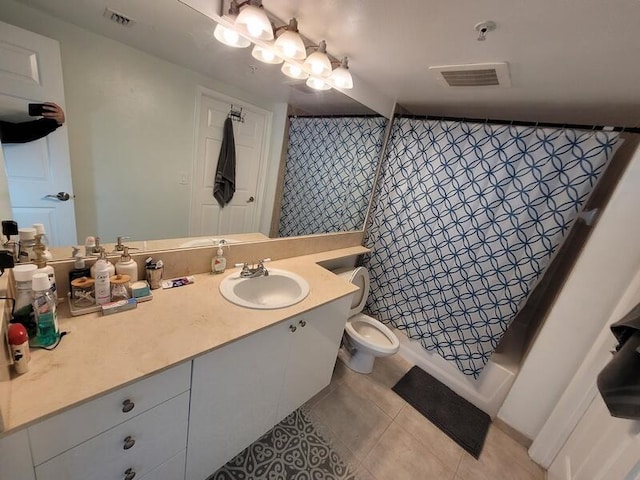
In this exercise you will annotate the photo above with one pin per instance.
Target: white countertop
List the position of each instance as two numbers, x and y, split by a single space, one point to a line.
101 354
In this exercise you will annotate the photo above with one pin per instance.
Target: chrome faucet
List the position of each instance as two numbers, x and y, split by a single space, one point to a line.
258 271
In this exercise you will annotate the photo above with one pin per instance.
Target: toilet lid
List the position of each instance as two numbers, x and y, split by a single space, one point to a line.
360 278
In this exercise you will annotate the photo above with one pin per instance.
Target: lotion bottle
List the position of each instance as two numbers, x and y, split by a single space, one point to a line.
127 266
219 262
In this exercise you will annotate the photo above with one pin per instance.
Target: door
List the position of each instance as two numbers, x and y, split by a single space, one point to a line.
31 72
600 448
251 135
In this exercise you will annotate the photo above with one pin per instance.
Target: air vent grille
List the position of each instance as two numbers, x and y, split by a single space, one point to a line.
473 75
118 18
471 78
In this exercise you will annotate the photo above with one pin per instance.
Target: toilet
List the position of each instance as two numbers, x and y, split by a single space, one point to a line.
365 338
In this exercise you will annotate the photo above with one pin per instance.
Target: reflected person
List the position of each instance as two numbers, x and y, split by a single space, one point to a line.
23 132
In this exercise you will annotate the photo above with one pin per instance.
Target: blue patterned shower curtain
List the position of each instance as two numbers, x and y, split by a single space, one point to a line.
466 219
330 169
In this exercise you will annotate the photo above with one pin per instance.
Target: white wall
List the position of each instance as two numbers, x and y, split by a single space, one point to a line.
131 123
603 272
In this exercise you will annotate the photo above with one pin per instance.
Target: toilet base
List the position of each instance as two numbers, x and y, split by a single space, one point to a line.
361 362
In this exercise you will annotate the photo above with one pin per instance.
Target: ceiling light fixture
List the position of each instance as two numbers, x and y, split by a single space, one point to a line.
265 55
293 70
247 22
341 77
318 83
253 22
229 36
289 44
318 62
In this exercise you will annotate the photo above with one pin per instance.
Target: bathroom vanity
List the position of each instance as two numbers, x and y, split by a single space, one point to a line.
180 384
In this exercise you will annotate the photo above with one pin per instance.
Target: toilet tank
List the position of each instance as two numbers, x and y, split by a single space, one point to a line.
360 278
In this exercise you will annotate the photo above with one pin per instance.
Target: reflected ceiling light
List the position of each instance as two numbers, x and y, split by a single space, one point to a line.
253 22
266 55
318 83
228 36
294 71
341 77
318 62
289 44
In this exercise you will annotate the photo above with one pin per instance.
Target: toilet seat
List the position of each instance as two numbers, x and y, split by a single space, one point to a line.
372 334
360 278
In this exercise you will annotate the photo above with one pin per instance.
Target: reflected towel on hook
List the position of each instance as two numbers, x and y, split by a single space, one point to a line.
224 185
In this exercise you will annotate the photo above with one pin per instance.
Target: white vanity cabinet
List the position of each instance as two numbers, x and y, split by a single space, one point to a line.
125 434
238 392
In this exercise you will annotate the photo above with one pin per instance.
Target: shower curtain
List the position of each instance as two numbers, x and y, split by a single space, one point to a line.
466 218
330 167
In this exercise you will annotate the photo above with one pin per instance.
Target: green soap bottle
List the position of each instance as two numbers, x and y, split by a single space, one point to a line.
44 307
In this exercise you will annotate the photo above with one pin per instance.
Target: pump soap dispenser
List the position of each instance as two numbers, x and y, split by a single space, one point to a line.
127 266
219 263
39 250
79 267
107 264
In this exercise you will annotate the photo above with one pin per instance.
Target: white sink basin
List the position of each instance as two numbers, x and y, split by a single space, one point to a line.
277 290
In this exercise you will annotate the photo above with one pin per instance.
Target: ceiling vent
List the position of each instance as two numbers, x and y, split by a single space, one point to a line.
118 18
473 75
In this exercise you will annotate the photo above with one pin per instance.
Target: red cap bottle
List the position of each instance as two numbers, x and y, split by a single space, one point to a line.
19 343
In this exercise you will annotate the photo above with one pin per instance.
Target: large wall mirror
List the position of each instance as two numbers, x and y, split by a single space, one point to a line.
137 107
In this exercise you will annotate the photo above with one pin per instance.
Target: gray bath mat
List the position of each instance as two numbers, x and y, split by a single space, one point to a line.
462 421
293 449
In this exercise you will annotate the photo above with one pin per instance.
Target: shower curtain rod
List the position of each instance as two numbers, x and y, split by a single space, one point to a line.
522 123
344 115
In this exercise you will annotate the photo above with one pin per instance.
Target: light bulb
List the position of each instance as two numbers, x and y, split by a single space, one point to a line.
318 83
230 37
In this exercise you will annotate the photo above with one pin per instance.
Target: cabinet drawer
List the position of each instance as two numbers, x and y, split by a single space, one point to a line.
158 434
66 430
172 469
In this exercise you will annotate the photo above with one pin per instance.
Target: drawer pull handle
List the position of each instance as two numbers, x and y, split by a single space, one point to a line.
127 406
292 328
129 474
302 323
128 443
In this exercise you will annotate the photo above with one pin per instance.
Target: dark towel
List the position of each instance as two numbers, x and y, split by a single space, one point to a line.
224 185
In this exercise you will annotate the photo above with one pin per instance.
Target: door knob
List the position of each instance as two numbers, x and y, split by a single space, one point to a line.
251 200
62 196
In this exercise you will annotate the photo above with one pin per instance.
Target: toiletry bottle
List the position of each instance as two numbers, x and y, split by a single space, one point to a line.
41 263
219 262
44 306
39 227
127 265
89 245
23 309
80 268
27 241
103 256
101 274
19 344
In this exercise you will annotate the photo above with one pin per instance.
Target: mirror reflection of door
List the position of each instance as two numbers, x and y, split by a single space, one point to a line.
31 72
251 133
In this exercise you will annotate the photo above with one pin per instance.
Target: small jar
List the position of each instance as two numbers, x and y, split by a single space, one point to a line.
119 287
83 292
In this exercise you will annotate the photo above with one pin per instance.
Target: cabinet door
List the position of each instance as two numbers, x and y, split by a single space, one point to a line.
313 351
234 398
15 457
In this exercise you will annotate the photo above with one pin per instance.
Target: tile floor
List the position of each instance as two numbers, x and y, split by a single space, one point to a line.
383 438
